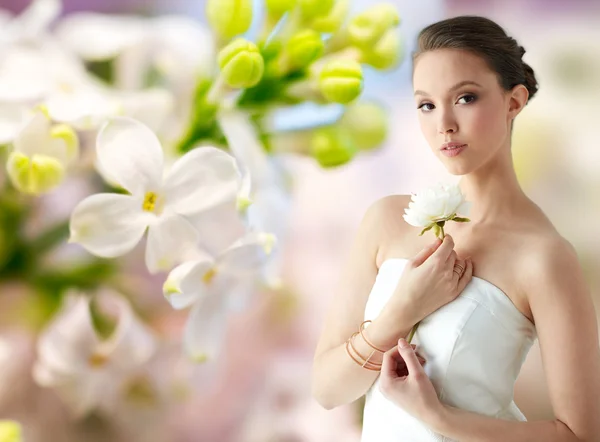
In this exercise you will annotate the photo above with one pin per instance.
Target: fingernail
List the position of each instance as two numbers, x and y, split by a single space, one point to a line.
402 343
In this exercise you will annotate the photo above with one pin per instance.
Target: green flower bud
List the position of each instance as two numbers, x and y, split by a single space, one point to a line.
367 28
304 48
315 8
387 52
277 8
229 18
36 175
341 81
332 147
242 203
69 136
10 431
241 64
333 21
366 124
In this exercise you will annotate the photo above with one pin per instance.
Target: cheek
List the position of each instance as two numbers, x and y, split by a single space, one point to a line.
428 128
485 122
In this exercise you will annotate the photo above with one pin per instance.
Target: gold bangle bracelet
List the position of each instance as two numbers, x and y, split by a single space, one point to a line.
358 362
361 329
377 364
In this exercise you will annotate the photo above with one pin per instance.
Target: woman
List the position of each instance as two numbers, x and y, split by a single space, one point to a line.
474 331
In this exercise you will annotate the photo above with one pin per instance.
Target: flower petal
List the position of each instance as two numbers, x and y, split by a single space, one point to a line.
94 36
132 343
169 238
12 119
109 225
33 135
131 154
172 288
65 345
205 328
219 227
245 144
202 179
245 257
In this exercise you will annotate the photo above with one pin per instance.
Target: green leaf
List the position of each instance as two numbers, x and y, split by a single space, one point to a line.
458 219
441 223
437 229
426 229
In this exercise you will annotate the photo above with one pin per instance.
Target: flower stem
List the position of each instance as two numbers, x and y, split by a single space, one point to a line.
412 332
443 234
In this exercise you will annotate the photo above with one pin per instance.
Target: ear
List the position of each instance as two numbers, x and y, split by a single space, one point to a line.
517 100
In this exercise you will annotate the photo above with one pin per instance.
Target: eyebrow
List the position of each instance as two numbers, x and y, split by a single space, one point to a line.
453 88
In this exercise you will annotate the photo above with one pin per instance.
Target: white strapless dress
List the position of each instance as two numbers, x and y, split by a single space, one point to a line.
474 347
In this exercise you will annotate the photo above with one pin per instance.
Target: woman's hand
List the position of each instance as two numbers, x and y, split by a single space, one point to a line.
404 382
431 279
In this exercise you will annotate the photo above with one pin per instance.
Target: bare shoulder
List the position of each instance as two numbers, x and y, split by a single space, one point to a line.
564 312
551 260
386 217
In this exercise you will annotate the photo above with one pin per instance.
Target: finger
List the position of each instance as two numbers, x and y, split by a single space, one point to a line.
452 257
420 257
456 276
389 364
466 276
444 250
410 357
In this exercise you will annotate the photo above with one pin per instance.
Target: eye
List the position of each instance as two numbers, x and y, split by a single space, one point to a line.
425 104
471 98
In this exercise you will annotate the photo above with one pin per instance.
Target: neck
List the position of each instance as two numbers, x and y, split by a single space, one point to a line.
493 190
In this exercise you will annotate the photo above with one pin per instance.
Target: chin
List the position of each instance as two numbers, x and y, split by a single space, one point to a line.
458 169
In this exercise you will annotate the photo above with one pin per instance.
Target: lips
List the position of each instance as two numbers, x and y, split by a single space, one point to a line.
451 144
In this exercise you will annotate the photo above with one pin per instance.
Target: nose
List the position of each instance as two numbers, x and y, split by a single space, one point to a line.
447 123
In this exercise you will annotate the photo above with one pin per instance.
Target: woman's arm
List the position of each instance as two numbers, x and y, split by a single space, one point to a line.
336 378
568 334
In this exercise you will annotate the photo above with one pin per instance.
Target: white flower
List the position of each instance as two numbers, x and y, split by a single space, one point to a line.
266 196
177 47
86 371
12 119
211 287
32 24
432 207
110 225
41 154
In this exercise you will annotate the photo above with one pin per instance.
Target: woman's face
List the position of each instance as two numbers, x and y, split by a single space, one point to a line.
459 99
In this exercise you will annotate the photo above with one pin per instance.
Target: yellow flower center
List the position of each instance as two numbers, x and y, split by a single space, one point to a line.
152 203
200 358
97 360
208 276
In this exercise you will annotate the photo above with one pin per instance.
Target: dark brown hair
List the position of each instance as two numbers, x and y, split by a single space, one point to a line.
485 38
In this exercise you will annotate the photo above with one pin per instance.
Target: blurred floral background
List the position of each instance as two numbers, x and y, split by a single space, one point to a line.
181 179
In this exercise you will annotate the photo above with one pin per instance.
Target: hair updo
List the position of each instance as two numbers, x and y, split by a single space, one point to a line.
485 38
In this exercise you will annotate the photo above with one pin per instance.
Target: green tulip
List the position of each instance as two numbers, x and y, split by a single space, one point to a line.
332 147
241 64
366 123
341 81
304 48
36 175
229 18
367 28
